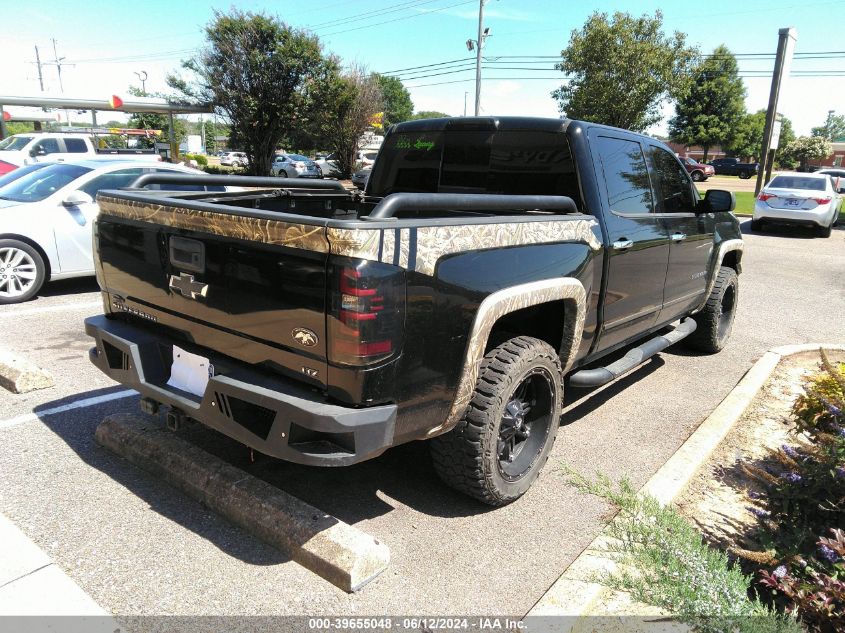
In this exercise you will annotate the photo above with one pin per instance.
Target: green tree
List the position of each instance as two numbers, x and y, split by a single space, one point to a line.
747 137
396 100
807 148
354 97
260 72
709 112
152 121
620 70
833 128
429 114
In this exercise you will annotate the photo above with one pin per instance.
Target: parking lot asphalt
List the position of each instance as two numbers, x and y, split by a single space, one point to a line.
139 547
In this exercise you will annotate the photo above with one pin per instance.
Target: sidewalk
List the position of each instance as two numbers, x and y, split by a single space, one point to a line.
32 585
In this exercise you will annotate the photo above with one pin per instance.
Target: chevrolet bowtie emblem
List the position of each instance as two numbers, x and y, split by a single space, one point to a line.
187 287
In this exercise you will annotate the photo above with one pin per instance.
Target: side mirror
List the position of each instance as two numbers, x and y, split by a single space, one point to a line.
77 198
841 190
716 200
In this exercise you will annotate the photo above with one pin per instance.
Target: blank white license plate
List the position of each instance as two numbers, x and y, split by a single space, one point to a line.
189 372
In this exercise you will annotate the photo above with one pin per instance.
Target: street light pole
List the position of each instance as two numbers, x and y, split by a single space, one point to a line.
142 76
466 92
786 44
479 44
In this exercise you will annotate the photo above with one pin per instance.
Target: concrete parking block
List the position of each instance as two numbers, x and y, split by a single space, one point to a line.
19 375
340 553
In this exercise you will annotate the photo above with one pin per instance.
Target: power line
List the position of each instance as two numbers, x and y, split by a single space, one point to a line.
370 14
408 17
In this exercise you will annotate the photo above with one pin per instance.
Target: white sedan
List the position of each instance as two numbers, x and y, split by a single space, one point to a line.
46 216
809 199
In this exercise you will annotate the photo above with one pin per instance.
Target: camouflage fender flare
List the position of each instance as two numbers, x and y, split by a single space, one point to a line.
724 248
568 289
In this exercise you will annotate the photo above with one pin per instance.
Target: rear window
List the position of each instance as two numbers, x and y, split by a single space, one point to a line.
797 182
460 161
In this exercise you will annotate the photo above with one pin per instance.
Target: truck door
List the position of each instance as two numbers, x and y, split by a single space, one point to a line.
638 250
690 235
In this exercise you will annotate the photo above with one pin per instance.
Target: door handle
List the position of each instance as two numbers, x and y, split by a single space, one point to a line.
623 244
678 237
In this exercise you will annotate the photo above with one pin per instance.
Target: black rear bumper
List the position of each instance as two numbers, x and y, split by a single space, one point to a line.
271 414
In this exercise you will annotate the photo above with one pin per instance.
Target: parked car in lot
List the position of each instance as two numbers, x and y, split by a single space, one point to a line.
732 167
450 306
46 216
295 166
360 177
699 172
33 147
800 199
8 177
364 158
234 159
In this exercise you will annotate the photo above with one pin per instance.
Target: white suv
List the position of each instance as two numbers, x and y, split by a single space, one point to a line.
234 159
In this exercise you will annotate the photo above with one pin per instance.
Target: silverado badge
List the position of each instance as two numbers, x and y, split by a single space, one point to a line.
187 287
304 336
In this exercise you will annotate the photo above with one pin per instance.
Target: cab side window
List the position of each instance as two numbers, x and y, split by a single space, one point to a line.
75 146
625 176
674 192
46 146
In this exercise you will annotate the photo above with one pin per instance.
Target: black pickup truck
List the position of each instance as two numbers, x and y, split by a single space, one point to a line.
487 260
732 167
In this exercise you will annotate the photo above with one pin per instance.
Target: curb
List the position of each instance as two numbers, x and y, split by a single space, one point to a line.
340 553
572 594
19 375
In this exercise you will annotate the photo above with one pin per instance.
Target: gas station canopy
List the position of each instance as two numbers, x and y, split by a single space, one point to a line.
114 103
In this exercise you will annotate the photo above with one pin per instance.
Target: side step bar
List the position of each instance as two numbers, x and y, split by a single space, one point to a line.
603 375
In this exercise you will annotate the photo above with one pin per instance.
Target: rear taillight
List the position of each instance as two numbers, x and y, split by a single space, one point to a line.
821 200
366 314
766 196
5 167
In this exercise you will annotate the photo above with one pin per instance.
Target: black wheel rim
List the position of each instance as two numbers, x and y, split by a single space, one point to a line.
726 311
525 424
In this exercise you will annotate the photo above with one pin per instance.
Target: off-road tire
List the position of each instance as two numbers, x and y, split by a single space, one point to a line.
467 458
715 320
757 225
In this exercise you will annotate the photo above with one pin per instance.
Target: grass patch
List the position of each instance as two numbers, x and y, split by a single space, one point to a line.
744 202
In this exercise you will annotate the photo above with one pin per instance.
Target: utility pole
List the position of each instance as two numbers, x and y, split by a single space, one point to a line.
38 64
480 42
786 46
466 92
58 63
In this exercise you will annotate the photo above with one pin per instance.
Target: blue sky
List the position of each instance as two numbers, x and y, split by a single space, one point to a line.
110 41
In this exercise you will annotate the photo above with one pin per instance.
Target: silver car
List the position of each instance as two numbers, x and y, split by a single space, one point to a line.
295 166
800 198
46 217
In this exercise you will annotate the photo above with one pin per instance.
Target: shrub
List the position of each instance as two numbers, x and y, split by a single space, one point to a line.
664 562
803 494
202 160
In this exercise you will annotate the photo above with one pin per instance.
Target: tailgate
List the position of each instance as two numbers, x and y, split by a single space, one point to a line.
252 288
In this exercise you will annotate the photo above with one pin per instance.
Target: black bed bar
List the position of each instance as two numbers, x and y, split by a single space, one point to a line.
237 181
396 202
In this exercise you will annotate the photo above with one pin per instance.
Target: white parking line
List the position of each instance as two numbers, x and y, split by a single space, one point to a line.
59 308
79 404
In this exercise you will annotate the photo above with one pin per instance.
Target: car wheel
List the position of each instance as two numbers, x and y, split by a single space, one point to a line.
235 163
22 271
744 175
282 173
757 225
715 321
824 231
500 445
697 176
